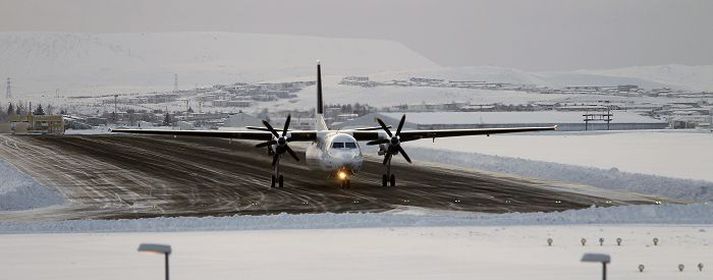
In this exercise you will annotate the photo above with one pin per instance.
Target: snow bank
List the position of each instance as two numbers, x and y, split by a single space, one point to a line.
640 214
93 131
611 179
18 191
671 152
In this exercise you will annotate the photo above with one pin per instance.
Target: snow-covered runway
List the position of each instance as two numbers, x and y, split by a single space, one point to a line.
115 176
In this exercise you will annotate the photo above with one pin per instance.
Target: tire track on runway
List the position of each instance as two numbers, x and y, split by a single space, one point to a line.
129 176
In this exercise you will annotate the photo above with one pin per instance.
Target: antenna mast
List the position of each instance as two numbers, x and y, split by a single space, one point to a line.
175 82
8 89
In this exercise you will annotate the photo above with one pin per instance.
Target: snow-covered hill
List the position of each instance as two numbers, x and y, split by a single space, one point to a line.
698 77
88 63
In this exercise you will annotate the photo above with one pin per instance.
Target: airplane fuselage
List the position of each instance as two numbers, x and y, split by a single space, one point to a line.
334 152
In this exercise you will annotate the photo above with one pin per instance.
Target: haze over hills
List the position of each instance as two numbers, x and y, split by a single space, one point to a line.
85 63
92 63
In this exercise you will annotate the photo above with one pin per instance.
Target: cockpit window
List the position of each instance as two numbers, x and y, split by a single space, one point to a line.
343 145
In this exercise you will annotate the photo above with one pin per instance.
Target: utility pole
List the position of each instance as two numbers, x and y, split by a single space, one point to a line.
116 98
8 89
175 82
187 109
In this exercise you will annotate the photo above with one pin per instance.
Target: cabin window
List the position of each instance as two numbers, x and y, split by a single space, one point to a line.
350 145
338 145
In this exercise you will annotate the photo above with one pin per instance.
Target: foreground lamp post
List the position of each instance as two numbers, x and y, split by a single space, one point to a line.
600 258
159 249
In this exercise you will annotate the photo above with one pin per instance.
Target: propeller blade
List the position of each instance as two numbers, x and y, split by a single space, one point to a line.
292 153
263 144
274 159
401 124
267 124
403 153
384 127
386 158
377 141
287 125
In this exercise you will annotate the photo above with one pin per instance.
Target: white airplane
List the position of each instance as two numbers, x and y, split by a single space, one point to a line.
335 152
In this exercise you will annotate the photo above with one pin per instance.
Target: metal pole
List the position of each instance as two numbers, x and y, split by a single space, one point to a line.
608 116
604 271
167 266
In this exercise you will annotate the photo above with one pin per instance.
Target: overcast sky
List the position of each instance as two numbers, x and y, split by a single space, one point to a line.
526 34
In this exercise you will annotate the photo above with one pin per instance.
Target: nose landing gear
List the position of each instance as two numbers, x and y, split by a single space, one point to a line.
343 177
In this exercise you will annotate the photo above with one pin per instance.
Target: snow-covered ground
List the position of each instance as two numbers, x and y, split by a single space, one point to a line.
319 247
701 213
574 176
669 153
666 163
18 191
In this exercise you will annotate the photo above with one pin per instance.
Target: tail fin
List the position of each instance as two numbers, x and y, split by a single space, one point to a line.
320 107
320 123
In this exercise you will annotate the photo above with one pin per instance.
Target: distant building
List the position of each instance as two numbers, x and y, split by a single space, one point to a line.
627 87
39 124
242 120
357 81
567 121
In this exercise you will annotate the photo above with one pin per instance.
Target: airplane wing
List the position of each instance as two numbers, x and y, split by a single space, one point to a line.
410 135
234 134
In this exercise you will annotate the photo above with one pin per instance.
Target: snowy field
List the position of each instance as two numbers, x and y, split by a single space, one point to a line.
493 252
402 244
669 153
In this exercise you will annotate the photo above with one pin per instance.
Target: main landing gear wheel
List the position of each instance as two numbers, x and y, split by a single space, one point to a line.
389 148
277 146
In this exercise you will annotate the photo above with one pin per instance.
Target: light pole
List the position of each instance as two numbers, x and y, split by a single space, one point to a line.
602 258
157 248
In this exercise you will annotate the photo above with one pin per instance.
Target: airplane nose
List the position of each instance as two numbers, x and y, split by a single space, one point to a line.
347 157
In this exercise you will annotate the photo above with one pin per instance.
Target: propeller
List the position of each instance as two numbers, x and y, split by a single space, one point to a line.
280 141
394 141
